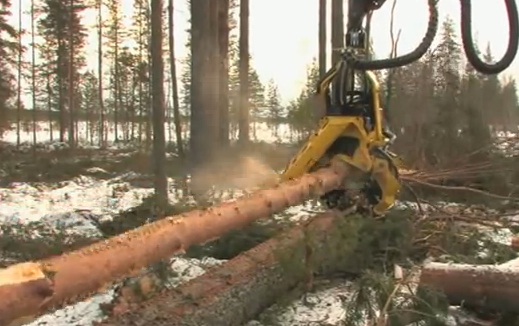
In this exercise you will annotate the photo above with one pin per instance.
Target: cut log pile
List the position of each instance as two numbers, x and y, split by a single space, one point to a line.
238 290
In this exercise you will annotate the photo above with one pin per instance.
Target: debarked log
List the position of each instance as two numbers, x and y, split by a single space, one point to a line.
238 290
82 273
514 243
493 287
30 285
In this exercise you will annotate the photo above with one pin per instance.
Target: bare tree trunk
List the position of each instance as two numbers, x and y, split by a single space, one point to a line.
76 123
61 89
159 137
322 38
174 83
134 115
393 54
71 88
117 92
337 29
169 109
243 123
223 46
100 73
204 117
33 71
149 103
49 106
213 74
141 107
19 91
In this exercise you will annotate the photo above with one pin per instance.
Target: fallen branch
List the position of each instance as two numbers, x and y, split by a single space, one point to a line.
458 188
81 273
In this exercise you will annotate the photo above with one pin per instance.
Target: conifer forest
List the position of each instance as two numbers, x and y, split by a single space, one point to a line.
145 156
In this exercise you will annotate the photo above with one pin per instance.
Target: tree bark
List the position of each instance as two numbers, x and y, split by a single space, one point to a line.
337 29
233 293
19 77
322 38
116 77
159 134
33 72
77 274
213 74
71 75
203 112
243 121
515 243
223 47
174 84
493 287
100 73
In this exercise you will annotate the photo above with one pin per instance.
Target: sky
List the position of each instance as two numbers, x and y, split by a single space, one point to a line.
284 34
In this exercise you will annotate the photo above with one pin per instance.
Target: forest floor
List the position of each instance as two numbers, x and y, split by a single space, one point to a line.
89 193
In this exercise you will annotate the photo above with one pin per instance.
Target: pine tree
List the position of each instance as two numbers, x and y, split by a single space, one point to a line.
140 33
447 77
59 22
256 92
510 105
302 114
476 132
114 38
8 52
273 106
127 88
159 137
490 95
90 104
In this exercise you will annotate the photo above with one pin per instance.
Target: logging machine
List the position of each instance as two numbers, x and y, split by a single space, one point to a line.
354 128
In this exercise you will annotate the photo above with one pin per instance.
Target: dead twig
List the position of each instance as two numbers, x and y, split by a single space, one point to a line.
460 188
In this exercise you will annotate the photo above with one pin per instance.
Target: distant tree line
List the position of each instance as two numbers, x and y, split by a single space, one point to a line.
438 97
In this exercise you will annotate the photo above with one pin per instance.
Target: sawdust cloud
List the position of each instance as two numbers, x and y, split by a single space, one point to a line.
244 172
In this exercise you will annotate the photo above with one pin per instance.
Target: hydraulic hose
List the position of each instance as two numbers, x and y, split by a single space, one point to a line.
468 42
432 28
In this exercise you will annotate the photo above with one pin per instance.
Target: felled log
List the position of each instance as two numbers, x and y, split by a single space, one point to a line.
488 286
82 273
515 243
238 290
29 283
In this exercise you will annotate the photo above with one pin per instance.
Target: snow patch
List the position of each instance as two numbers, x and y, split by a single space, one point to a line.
76 201
323 307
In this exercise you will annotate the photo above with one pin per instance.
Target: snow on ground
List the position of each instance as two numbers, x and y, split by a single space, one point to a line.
83 313
325 306
71 203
